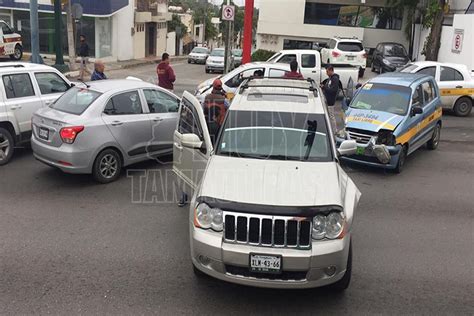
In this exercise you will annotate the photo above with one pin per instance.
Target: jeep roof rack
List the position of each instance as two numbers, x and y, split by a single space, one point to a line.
279 82
12 66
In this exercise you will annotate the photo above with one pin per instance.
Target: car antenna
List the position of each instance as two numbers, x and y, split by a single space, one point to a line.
82 81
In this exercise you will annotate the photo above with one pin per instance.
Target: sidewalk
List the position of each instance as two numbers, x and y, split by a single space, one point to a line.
113 65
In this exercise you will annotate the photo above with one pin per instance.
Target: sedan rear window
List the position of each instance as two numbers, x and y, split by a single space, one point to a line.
75 100
350 47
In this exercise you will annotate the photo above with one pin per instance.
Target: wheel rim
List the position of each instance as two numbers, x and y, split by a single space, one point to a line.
436 136
463 107
4 147
17 53
108 166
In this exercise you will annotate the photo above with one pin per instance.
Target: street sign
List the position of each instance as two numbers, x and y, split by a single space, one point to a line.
458 38
228 12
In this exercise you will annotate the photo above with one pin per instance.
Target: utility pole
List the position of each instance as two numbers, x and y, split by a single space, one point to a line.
59 65
70 36
34 27
248 28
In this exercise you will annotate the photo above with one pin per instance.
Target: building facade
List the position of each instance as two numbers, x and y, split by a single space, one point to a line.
115 29
289 24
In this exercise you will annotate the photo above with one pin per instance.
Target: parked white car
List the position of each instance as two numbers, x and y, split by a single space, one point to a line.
276 215
310 65
345 51
455 83
215 61
25 88
198 55
232 80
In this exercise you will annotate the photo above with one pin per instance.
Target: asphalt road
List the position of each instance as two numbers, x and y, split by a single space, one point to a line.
71 246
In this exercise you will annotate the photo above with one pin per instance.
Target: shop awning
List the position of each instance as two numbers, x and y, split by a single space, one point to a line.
90 7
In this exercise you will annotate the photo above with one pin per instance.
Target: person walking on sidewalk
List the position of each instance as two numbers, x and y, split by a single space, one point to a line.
98 73
330 88
84 55
166 76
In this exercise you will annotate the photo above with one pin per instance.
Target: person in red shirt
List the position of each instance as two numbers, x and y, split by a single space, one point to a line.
166 76
294 73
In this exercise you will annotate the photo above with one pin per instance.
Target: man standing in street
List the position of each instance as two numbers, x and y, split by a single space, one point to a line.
98 73
166 76
294 73
330 88
216 99
84 55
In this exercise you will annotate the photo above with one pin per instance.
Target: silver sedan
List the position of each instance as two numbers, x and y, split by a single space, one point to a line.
99 127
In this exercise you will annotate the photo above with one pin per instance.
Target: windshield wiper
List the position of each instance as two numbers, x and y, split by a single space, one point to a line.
312 127
243 155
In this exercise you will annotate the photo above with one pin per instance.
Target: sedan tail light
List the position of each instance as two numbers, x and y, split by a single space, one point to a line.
335 54
69 134
365 55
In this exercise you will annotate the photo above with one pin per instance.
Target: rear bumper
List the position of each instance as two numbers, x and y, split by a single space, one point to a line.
65 157
197 60
301 268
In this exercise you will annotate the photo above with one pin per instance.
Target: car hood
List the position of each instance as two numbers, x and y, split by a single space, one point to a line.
372 120
272 182
215 59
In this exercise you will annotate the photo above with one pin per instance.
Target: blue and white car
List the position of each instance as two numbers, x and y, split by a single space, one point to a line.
390 117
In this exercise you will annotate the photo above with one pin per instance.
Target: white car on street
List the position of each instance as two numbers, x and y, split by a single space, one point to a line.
24 89
198 55
276 215
455 82
345 51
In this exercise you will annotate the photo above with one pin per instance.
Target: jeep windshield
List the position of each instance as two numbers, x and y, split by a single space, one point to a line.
275 135
382 97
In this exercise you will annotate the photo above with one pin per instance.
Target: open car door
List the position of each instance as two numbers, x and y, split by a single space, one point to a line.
192 145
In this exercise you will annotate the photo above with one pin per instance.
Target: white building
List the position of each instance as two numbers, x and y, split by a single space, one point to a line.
285 24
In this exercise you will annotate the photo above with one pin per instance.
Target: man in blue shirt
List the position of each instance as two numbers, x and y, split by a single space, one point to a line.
98 73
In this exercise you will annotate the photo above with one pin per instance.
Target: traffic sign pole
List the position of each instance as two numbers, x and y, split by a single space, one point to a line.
228 14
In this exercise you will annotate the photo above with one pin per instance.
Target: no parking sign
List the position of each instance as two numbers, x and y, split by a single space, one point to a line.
228 12
458 39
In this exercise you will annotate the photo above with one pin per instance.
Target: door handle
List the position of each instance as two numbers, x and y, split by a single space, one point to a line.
459 87
178 146
116 123
48 103
14 107
314 71
157 119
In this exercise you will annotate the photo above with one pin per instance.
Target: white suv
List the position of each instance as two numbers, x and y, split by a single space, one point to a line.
24 88
271 206
345 51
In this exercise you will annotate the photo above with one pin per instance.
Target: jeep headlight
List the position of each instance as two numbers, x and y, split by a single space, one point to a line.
329 226
206 217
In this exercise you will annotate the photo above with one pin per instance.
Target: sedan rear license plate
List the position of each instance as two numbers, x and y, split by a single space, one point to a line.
265 263
43 133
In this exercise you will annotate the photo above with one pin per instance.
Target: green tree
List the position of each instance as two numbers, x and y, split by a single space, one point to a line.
176 23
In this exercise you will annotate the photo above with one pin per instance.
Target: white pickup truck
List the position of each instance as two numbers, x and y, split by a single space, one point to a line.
455 83
310 66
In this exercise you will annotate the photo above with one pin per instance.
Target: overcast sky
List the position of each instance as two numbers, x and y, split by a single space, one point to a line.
238 2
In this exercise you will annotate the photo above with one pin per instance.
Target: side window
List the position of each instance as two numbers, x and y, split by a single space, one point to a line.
49 82
18 86
379 49
428 92
286 59
188 121
160 102
5 28
417 99
308 61
235 81
276 73
450 74
123 104
430 71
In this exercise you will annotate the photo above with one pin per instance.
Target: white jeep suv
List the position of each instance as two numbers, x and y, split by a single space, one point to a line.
24 89
271 206
345 51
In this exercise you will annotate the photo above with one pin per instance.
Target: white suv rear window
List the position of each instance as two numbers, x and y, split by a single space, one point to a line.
350 47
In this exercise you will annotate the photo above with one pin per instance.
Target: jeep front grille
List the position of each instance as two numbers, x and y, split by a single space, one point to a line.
267 231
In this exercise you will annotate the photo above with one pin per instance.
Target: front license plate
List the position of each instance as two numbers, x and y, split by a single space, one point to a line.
43 133
360 151
265 263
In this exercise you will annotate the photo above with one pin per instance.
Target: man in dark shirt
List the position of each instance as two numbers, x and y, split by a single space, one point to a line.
84 55
330 88
98 73
166 76
294 73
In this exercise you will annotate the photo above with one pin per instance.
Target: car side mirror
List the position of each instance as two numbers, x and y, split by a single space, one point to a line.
347 148
416 109
191 141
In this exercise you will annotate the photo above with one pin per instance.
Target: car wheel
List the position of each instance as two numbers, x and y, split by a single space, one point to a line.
6 146
17 53
207 71
361 72
189 61
401 160
434 141
343 283
463 106
107 166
